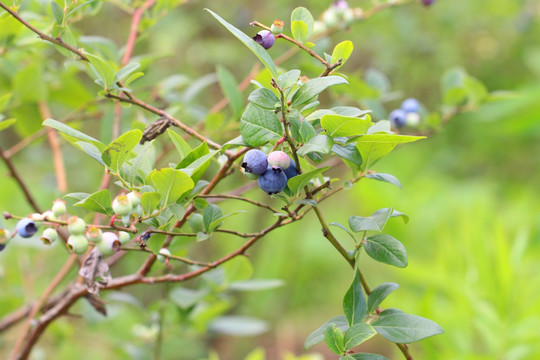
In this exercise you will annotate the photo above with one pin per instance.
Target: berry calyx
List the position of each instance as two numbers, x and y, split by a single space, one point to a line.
121 205
109 243
265 38
398 118
279 159
26 228
77 244
49 236
277 26
59 207
76 225
273 180
255 162
94 234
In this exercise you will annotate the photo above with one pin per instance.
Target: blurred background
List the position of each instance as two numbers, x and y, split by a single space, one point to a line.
471 189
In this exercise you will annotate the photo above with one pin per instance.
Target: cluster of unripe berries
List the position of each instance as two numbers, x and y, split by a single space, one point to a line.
273 171
80 234
408 114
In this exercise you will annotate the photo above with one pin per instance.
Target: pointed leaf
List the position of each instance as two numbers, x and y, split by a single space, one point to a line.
264 98
91 151
193 155
338 125
364 356
348 152
314 87
333 337
404 328
318 335
376 221
297 183
376 146
299 30
354 303
210 214
258 126
385 177
4 124
72 132
99 201
357 334
379 294
386 249
229 86
170 184
103 69
288 79
118 151
342 51
150 202
319 144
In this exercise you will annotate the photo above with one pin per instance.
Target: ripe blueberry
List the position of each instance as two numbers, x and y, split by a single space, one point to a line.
428 2
109 243
255 162
410 105
121 205
76 225
273 180
59 207
398 118
265 38
26 228
291 171
49 236
279 159
77 244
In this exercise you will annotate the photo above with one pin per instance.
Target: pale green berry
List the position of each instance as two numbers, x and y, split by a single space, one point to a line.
77 244
49 236
124 237
164 253
59 207
94 234
5 236
121 205
49 216
109 243
36 217
76 225
134 198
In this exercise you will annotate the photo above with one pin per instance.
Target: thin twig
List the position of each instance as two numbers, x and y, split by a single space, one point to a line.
236 197
52 135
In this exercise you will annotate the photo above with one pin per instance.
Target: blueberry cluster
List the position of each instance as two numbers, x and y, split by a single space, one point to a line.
408 114
273 171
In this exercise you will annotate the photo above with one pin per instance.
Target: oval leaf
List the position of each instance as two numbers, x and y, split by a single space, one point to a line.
384 248
404 328
379 294
357 334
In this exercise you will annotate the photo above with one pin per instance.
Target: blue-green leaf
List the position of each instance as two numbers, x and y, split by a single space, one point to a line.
118 151
318 335
170 184
357 334
229 86
264 98
354 303
386 249
314 87
385 177
333 337
320 144
297 183
376 146
376 221
404 328
379 294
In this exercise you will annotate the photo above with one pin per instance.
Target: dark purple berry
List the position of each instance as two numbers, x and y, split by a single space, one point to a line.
410 105
255 162
291 171
428 2
398 118
265 38
26 228
273 180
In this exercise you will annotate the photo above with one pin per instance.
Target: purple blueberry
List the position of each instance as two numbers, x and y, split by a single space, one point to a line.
26 228
265 38
255 162
273 180
428 2
410 105
291 171
398 118
279 159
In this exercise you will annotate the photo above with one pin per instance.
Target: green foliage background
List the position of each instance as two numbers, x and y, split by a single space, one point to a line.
471 190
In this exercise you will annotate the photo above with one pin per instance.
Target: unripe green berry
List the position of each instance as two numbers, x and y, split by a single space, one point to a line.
36 217
164 253
94 234
121 205
49 236
49 216
124 237
134 198
76 225
109 243
59 207
77 244
5 236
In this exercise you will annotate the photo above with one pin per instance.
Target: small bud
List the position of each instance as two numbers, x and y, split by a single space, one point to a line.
94 234
7 215
124 237
59 207
76 225
77 244
265 38
121 205
277 26
49 236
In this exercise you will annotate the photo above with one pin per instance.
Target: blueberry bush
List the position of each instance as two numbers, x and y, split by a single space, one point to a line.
172 183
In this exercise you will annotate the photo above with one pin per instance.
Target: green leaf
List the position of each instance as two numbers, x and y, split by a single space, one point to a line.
264 98
210 214
333 337
379 294
396 213
256 285
288 79
376 221
29 84
149 202
320 144
364 356
186 298
386 249
217 222
4 124
318 335
297 183
118 151
170 184
126 71
103 69
357 334
237 269
193 155
155 243
299 30
258 126
229 86
72 132
404 328
338 125
385 177
77 195
342 227
354 303
342 51
376 146
58 12
177 210
348 152
98 202
314 87
302 130
4 100
238 326
91 151
303 15
252 45
197 168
